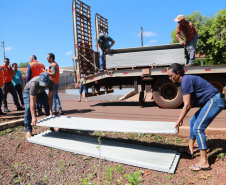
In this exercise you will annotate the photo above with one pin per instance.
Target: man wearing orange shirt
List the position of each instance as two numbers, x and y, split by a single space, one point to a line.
54 73
7 75
35 68
191 36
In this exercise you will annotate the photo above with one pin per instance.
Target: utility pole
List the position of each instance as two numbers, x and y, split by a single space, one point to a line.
3 50
141 36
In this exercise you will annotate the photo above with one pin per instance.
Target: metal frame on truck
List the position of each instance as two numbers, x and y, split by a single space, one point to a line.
143 78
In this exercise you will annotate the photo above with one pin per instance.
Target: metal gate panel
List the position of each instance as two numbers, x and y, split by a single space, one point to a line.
82 37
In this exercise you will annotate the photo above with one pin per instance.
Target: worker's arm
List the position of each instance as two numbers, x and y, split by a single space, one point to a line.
112 44
28 73
187 106
50 99
32 109
12 71
178 31
52 71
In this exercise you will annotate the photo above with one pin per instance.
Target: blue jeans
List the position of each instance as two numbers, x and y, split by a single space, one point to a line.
19 90
27 113
190 49
102 57
56 100
203 117
81 88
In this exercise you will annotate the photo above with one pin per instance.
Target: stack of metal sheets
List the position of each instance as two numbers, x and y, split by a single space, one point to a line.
161 55
126 153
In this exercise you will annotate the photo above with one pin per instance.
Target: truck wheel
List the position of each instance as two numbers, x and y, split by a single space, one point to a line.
167 94
218 81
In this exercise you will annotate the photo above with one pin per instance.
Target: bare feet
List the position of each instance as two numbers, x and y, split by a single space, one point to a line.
78 100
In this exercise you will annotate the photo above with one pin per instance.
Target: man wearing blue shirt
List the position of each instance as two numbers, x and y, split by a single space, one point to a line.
18 83
197 91
105 47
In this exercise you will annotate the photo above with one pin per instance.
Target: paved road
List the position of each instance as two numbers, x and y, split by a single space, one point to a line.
109 107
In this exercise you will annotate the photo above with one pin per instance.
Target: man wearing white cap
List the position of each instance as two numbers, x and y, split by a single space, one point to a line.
191 36
36 87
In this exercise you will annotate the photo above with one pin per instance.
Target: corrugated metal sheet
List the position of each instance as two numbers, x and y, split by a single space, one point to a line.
161 55
93 124
136 155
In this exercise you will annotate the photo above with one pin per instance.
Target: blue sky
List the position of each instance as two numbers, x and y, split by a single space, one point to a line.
42 26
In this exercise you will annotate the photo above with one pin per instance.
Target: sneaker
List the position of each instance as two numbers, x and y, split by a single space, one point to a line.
2 113
20 108
6 110
190 64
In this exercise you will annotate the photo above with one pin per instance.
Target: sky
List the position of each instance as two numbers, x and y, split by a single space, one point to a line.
42 26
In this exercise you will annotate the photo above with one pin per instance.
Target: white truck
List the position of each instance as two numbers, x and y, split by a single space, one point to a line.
144 68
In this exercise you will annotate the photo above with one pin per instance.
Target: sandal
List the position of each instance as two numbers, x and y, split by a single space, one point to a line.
198 168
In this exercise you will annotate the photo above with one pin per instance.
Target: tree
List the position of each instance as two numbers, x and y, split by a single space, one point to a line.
212 35
23 64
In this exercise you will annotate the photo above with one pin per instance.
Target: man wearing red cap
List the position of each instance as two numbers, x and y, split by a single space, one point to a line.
191 36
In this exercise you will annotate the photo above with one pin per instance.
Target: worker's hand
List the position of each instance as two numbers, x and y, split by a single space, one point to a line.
51 112
107 51
177 125
182 43
34 121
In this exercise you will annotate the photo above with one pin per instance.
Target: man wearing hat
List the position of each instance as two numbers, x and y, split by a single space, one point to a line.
191 36
36 87
105 47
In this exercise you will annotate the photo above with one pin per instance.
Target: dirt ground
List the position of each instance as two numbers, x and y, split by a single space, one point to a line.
22 162
26 163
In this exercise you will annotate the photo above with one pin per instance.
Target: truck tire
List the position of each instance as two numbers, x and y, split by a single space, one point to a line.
218 81
167 94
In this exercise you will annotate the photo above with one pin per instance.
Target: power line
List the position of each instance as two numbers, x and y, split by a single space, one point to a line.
41 18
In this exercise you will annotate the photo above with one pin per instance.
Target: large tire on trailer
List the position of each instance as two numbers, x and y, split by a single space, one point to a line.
218 81
167 94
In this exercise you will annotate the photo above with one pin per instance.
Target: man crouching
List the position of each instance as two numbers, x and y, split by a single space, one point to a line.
36 87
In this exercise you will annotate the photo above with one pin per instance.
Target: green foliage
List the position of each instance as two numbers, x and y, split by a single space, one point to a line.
23 64
212 35
134 178
221 156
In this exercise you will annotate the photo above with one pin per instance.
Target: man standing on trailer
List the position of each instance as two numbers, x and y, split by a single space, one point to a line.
105 47
191 36
36 88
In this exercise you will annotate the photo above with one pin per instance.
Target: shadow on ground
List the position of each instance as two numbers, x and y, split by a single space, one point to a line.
125 104
77 111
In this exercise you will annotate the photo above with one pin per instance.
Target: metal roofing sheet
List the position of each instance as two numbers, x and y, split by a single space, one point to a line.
136 155
110 125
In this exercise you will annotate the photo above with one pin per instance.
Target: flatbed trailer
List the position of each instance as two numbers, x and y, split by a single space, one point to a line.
144 78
